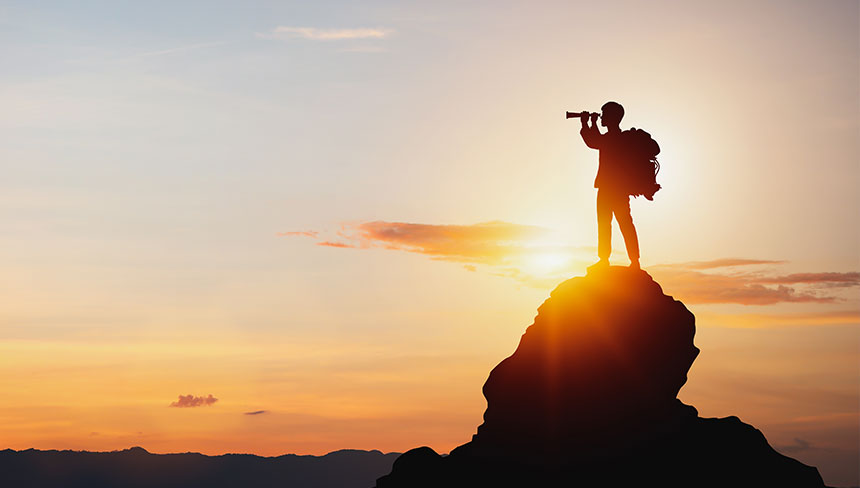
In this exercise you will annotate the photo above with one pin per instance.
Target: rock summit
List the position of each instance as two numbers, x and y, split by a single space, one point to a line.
589 398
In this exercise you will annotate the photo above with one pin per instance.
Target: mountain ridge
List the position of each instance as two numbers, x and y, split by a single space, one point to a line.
142 449
136 467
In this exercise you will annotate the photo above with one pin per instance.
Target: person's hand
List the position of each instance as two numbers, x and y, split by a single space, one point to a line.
583 117
594 117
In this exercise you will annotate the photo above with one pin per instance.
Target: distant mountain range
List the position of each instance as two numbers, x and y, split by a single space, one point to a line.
136 467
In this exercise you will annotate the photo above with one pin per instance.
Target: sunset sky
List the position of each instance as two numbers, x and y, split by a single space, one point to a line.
297 227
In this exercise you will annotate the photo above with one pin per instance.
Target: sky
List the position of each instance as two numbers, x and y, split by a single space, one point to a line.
296 227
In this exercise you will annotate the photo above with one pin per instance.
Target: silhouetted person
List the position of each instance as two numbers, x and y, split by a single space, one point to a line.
612 182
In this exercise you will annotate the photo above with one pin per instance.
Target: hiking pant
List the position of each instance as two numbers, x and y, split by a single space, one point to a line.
609 203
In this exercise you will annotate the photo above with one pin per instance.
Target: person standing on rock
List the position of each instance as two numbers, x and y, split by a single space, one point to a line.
612 182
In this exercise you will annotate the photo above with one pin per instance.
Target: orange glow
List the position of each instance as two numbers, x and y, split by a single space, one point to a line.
347 234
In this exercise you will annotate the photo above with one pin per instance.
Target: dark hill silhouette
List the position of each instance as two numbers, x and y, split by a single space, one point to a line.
589 398
135 467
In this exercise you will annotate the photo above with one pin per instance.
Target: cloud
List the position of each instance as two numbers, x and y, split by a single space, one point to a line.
802 445
256 412
186 401
305 233
828 279
316 34
751 288
487 242
527 254
696 287
798 446
706 282
334 244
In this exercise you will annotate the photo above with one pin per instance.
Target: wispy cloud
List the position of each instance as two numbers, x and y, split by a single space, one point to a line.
335 244
487 242
829 279
799 445
316 34
749 288
187 401
802 445
256 412
528 254
305 233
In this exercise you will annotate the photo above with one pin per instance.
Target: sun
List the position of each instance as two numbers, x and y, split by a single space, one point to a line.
542 263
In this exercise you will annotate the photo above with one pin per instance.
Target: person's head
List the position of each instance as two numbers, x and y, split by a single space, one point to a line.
612 114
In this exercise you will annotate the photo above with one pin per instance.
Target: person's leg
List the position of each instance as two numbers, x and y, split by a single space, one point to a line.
621 208
604 225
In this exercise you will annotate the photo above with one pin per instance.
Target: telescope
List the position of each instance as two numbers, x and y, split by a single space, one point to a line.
576 115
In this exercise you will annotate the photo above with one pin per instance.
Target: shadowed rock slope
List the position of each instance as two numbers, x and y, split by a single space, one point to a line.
589 398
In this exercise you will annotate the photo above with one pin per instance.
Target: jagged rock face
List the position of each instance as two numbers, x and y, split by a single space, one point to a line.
589 399
605 350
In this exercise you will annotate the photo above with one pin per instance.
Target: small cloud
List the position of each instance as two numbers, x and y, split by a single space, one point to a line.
186 401
492 242
334 244
486 242
300 233
256 412
283 33
798 446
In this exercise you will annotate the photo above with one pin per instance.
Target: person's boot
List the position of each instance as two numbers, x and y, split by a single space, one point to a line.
634 264
603 263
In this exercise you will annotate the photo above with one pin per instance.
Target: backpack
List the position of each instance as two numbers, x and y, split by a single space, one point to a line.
642 151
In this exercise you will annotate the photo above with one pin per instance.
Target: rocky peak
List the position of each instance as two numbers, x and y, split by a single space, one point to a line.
589 398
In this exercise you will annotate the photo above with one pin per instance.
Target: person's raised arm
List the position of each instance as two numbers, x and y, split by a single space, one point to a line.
590 135
583 117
